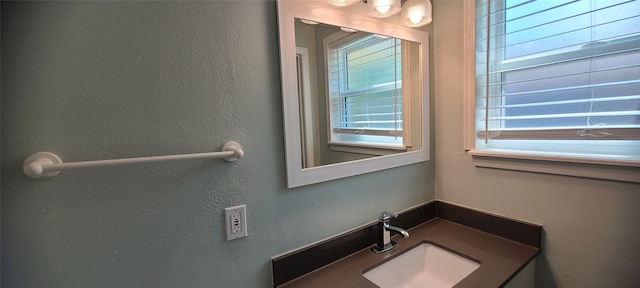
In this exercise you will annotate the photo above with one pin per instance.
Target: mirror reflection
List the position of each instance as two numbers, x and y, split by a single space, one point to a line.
353 102
359 94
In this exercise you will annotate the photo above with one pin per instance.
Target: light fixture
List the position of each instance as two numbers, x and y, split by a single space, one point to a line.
383 8
309 22
416 13
341 3
348 30
413 13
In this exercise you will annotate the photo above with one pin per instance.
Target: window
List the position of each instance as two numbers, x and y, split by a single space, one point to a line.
559 79
366 91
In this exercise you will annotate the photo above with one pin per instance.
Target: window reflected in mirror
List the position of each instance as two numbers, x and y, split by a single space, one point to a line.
356 91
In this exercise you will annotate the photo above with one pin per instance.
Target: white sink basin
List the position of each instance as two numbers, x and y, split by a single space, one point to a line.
426 265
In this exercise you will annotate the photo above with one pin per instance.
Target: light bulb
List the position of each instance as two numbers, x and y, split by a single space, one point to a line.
416 13
383 9
415 19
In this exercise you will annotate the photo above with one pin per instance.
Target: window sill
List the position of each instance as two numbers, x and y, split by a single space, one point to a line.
366 149
617 170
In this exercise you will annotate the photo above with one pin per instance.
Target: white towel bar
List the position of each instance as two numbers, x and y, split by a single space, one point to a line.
47 164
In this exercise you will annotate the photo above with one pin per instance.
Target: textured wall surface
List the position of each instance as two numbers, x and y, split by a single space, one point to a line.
103 80
590 226
109 80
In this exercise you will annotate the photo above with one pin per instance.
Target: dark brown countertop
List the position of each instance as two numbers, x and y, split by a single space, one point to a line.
500 258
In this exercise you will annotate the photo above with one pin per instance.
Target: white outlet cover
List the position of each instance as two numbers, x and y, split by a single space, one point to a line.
235 228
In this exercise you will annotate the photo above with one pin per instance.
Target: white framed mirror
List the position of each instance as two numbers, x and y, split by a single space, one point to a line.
354 91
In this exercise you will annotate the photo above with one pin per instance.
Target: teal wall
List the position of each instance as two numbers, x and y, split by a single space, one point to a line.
103 80
116 79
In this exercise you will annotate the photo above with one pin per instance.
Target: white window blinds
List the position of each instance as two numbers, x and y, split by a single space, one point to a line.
559 70
365 88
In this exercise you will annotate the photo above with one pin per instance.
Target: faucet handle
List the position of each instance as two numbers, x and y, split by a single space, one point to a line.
386 216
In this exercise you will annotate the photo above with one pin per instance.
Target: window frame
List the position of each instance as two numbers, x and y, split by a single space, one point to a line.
361 146
547 163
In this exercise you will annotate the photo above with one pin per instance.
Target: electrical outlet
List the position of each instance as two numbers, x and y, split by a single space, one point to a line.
236 222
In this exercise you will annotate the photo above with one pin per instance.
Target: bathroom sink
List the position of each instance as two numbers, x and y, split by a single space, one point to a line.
426 265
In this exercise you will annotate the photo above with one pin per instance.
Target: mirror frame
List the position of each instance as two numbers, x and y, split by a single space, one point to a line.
288 11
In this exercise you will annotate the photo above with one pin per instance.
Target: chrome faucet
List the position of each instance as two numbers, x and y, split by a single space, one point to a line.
384 237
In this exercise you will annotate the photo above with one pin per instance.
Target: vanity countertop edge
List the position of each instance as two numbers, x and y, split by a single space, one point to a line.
500 258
